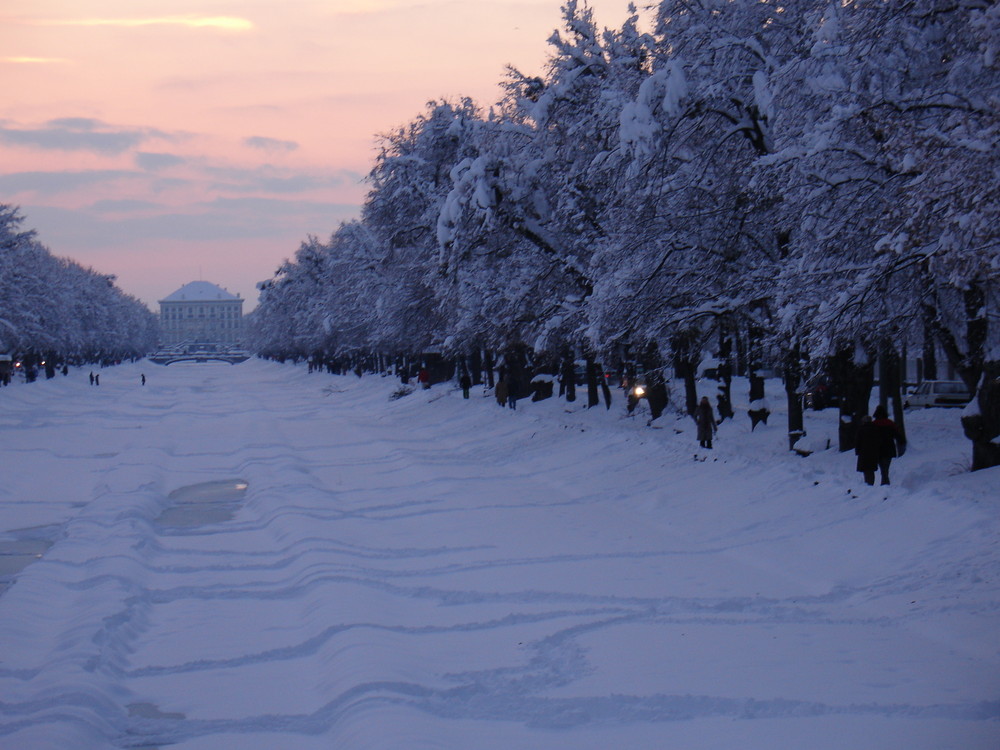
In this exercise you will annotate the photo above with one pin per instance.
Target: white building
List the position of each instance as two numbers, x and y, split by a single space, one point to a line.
201 313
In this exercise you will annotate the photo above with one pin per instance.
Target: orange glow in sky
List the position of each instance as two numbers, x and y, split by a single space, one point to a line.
167 141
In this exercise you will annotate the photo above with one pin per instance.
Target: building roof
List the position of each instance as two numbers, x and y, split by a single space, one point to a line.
199 291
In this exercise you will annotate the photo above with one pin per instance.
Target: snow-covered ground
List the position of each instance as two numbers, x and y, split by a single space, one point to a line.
430 572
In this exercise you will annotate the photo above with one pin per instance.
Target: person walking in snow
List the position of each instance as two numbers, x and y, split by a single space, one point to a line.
500 392
878 442
704 417
513 392
143 378
424 378
91 378
465 382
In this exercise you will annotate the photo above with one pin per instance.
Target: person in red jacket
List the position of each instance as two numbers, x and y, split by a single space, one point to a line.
879 441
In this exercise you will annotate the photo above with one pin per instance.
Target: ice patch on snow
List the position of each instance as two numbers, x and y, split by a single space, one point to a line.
23 547
204 503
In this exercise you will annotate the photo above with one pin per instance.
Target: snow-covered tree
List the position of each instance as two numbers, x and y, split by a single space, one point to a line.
685 247
803 182
410 184
887 137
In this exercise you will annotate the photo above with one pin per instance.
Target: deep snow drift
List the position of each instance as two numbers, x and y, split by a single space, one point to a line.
254 557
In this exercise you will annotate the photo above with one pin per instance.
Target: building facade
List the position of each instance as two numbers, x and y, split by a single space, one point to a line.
201 313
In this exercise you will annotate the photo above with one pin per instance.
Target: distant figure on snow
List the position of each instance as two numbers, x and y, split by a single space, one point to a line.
704 417
879 441
91 378
97 379
143 378
424 378
466 382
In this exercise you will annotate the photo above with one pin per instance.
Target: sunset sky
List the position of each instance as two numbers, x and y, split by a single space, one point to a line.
167 141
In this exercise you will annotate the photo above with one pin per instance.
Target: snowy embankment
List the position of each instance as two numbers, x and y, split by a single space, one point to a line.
434 572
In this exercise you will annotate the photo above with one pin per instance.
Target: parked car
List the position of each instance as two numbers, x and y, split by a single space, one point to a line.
820 395
939 393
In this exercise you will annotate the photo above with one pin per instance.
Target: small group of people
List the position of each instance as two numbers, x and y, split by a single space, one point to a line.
506 392
879 441
95 379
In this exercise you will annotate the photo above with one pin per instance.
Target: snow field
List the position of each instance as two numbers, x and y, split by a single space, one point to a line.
440 573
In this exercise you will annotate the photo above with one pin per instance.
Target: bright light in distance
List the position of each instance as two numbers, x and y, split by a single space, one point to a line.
639 391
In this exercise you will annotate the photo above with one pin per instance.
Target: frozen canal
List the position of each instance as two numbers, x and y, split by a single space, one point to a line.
256 558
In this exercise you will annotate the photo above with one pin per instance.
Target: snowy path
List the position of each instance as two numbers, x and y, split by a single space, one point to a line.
405 574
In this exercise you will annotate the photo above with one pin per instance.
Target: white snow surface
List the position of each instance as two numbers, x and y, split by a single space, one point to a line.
433 572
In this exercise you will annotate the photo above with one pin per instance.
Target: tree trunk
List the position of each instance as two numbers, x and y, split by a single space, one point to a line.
606 391
593 396
756 356
476 365
656 393
982 426
488 364
517 365
741 355
976 333
569 377
725 375
890 384
685 365
854 381
656 389
690 390
793 379
759 410
929 355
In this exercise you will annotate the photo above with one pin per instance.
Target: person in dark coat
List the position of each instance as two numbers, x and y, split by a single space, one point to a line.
878 442
513 392
466 382
866 448
704 417
501 391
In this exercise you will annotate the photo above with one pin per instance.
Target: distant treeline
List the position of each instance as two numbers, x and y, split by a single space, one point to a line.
56 311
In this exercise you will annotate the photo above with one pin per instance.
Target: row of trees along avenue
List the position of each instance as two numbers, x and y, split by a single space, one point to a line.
56 311
811 185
